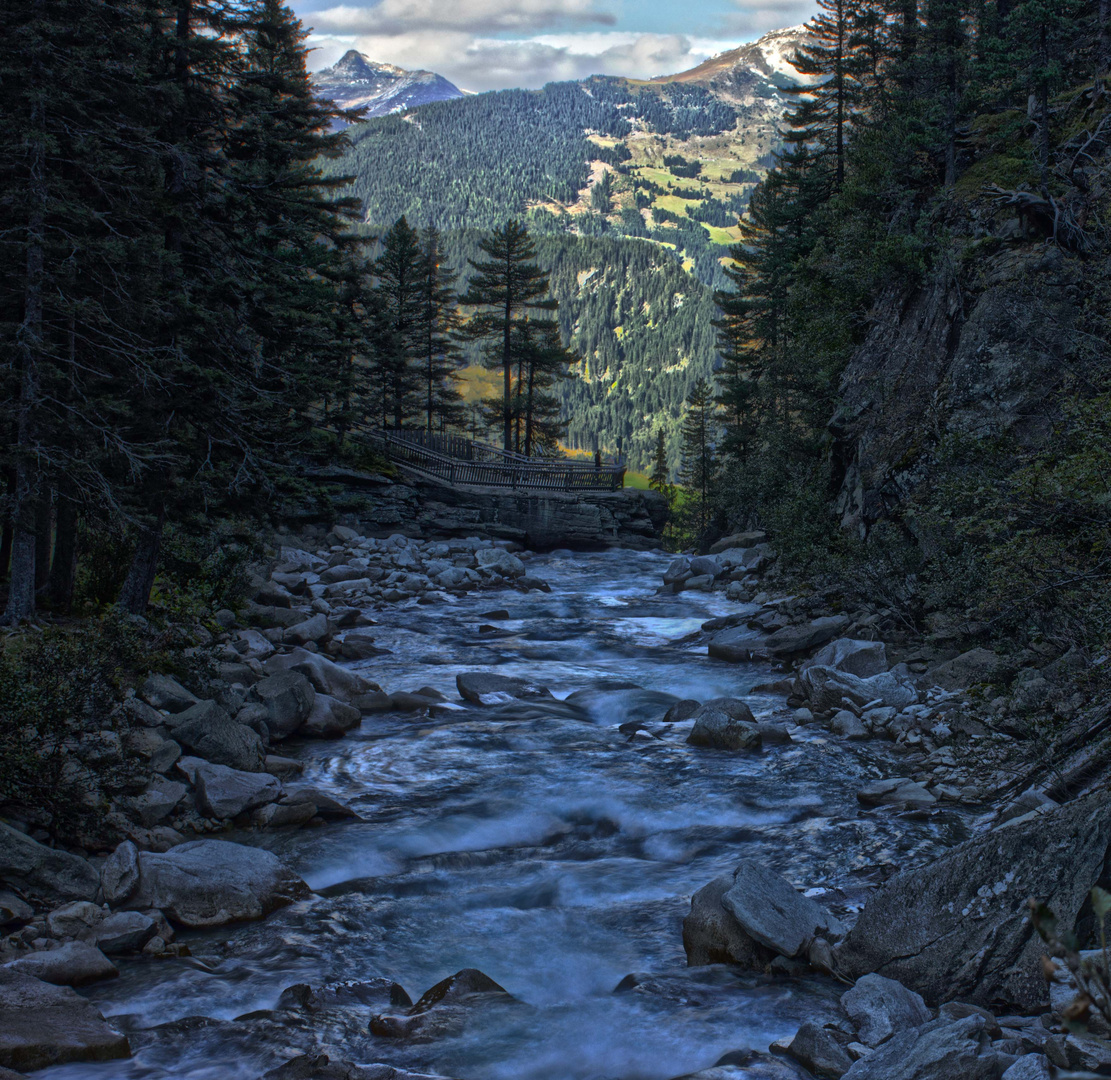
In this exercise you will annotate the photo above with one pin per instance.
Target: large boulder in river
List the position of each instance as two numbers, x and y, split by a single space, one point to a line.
500 562
796 640
957 928
76 963
750 917
288 698
483 688
212 883
210 733
43 1025
716 729
35 868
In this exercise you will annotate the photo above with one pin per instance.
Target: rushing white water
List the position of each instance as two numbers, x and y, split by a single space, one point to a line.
538 844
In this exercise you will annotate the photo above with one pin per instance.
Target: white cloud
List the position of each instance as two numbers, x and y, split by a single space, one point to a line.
476 63
392 17
753 19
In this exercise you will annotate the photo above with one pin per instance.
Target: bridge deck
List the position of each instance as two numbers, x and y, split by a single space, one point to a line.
460 460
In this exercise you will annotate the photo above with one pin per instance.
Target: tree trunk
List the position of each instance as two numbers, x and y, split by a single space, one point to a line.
6 535
507 367
135 594
1104 37
63 570
44 535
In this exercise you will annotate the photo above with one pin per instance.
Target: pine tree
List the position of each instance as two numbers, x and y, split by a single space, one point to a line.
659 478
542 362
508 285
699 458
399 273
439 322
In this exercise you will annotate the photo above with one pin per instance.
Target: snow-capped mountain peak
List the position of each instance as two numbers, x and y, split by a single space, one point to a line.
356 81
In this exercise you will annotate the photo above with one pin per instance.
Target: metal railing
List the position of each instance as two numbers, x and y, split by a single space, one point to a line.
460 460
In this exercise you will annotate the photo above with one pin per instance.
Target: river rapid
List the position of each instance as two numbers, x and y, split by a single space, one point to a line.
541 845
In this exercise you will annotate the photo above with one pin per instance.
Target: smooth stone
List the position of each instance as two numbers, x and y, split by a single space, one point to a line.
212 883
123 932
226 793
484 688
897 791
681 710
718 730
849 726
76 963
712 935
37 869
879 1007
43 1025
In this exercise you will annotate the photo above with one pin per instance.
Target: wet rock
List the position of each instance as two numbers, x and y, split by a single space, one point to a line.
717 730
288 698
896 791
773 734
43 1025
217 738
711 935
968 669
326 806
500 562
226 793
370 993
848 725
958 926
123 932
13 911
939 1050
211 883
327 677
163 692
317 1066
359 647
706 565
35 868
158 802
681 710
775 914
282 767
1029 1067
861 658
283 815
443 1009
76 963
749 1065
794 640
481 688
119 876
817 1050
678 571
879 1007
330 718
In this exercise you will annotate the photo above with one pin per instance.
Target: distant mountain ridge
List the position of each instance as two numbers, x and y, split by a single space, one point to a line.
356 81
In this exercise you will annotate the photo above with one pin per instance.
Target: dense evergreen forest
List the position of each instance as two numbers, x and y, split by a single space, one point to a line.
916 345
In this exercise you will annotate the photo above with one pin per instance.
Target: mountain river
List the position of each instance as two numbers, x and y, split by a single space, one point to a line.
541 845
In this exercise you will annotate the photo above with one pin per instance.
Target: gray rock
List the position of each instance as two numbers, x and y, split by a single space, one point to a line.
968 669
119 875
226 793
706 565
312 629
500 562
733 707
327 677
820 1052
76 963
793 640
482 688
827 688
288 699
35 868
1029 1067
712 935
774 913
357 646
330 718
282 815
939 1050
325 805
1085 1053
123 932
219 739
43 1025
749 1065
678 571
13 911
212 883
719 731
879 1007
739 540
74 919
848 725
681 710
443 1009
158 802
163 692
860 658
957 927
896 791
735 644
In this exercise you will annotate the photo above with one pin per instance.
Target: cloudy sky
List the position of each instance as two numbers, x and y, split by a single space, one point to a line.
492 44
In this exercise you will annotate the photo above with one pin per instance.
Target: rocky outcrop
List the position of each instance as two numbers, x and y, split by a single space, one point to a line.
212 883
958 927
49 872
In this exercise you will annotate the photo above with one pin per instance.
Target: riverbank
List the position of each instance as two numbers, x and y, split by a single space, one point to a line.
549 839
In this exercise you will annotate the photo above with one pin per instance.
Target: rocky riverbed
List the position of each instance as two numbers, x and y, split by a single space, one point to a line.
610 815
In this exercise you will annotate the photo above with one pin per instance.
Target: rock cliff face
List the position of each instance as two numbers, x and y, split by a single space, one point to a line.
540 520
978 354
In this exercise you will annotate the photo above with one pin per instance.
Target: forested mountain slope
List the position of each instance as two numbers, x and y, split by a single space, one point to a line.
658 171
